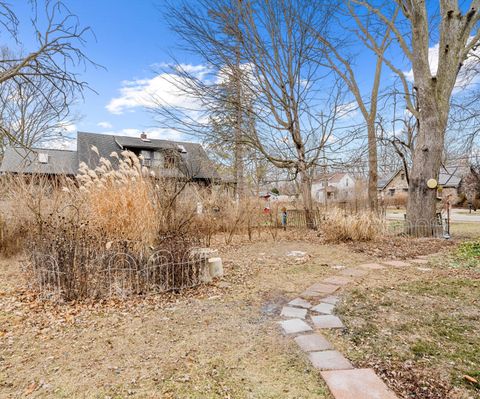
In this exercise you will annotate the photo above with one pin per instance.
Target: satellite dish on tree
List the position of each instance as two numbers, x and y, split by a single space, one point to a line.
432 183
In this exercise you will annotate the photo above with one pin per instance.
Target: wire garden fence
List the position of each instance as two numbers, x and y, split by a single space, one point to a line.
117 274
440 228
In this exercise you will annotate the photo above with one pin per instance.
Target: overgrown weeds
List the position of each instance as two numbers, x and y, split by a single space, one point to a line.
119 229
341 227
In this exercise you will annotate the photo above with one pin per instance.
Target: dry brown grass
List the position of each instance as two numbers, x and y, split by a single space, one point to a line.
218 341
341 227
75 227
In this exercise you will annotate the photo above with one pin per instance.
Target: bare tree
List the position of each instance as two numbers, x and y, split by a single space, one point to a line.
29 118
292 101
46 72
457 34
342 63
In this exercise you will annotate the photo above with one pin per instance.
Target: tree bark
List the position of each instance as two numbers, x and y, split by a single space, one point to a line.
427 157
372 167
306 187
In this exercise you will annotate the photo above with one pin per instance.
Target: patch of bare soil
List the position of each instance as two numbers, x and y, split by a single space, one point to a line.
218 341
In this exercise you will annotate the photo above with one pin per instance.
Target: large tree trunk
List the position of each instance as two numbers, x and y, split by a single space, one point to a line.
239 168
306 187
372 168
427 158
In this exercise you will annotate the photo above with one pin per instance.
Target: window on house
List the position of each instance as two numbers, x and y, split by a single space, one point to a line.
147 158
402 176
346 183
391 192
405 190
42 157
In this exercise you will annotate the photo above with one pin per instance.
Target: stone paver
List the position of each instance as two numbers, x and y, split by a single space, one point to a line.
372 266
356 384
313 342
327 321
338 280
332 299
397 263
419 261
294 313
325 308
424 269
330 360
294 326
300 303
311 294
323 288
353 272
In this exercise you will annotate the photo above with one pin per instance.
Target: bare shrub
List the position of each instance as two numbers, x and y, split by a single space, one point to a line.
340 227
109 232
398 200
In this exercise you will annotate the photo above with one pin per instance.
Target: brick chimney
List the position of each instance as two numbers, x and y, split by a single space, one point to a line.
143 136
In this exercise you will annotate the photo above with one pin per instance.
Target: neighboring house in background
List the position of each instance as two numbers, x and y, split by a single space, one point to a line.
340 187
170 159
449 183
394 185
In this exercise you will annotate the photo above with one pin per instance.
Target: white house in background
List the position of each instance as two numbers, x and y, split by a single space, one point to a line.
340 187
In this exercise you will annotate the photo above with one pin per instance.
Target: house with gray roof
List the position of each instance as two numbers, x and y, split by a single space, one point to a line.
449 183
166 158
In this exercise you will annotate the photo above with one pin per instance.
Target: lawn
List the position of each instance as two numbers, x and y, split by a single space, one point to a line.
221 340
420 331
465 230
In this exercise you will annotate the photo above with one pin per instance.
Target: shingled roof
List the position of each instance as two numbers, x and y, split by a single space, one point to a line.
194 164
449 177
23 160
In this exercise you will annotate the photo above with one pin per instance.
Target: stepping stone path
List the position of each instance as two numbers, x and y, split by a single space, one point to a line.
397 263
343 380
329 360
333 300
313 342
327 321
338 280
372 266
353 272
325 308
300 303
420 261
356 384
289 311
294 326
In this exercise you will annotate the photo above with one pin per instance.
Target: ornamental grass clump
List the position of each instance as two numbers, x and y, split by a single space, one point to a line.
341 227
102 234
120 203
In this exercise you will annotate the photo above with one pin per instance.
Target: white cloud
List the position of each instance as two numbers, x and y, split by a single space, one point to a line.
163 88
68 127
348 110
105 125
467 74
61 143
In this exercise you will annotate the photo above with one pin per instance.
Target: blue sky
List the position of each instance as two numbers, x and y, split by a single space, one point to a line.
131 37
